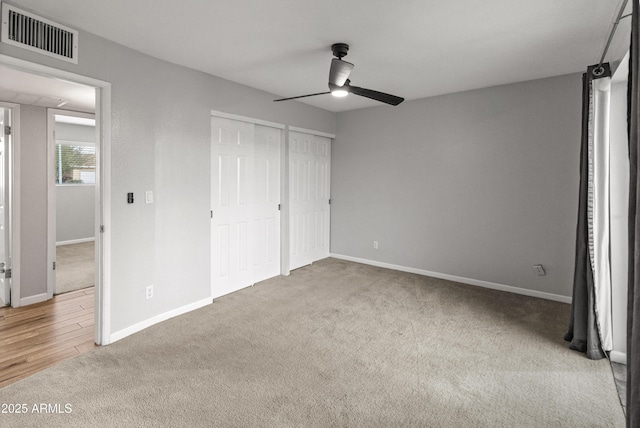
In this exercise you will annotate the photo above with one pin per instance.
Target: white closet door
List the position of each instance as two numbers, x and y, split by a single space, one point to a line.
232 153
245 193
265 225
309 179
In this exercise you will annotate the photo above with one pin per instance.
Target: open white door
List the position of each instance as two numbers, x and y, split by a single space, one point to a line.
309 175
5 211
245 194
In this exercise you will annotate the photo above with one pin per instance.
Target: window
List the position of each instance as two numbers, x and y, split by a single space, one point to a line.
75 162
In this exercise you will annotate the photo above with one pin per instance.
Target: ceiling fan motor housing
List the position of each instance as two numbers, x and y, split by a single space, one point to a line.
340 49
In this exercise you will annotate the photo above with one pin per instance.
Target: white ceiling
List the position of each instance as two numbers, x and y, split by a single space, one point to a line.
31 89
409 48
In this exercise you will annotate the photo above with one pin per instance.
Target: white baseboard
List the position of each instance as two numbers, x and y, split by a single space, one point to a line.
618 357
75 241
114 337
470 281
25 301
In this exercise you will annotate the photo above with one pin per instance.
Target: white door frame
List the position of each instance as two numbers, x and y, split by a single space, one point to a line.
103 189
13 186
52 237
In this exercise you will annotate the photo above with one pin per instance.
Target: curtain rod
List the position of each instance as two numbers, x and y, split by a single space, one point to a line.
613 31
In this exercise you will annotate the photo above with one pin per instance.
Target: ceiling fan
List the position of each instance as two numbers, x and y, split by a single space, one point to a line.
340 85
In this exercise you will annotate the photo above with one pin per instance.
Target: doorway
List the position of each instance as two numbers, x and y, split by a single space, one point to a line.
72 322
72 150
35 84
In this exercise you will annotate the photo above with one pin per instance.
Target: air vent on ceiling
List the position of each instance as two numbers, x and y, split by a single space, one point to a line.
29 31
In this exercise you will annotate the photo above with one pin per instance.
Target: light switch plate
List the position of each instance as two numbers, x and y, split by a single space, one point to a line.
148 196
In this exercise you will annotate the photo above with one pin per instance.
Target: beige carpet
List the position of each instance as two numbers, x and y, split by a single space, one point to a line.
336 344
75 267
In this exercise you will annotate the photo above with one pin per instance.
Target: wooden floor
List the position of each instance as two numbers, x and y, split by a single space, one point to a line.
38 336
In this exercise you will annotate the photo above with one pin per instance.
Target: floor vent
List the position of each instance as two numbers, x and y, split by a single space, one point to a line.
29 31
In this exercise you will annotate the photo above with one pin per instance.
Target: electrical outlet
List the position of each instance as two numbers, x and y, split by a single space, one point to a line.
149 291
375 245
539 270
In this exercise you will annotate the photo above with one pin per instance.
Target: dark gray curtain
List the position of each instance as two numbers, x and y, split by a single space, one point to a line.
633 309
583 331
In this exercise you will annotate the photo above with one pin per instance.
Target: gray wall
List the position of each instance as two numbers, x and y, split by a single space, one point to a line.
480 184
75 203
75 212
161 142
33 200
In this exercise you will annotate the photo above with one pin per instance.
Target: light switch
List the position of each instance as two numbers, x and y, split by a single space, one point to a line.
148 196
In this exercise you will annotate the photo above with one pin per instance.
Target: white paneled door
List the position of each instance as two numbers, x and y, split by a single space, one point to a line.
265 226
309 193
245 187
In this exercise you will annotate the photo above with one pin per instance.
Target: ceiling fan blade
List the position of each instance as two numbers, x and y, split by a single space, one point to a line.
375 95
302 96
339 71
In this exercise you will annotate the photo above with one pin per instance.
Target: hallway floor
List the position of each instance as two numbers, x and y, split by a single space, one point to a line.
35 337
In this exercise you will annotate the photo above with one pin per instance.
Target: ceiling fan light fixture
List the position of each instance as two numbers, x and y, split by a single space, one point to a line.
340 93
